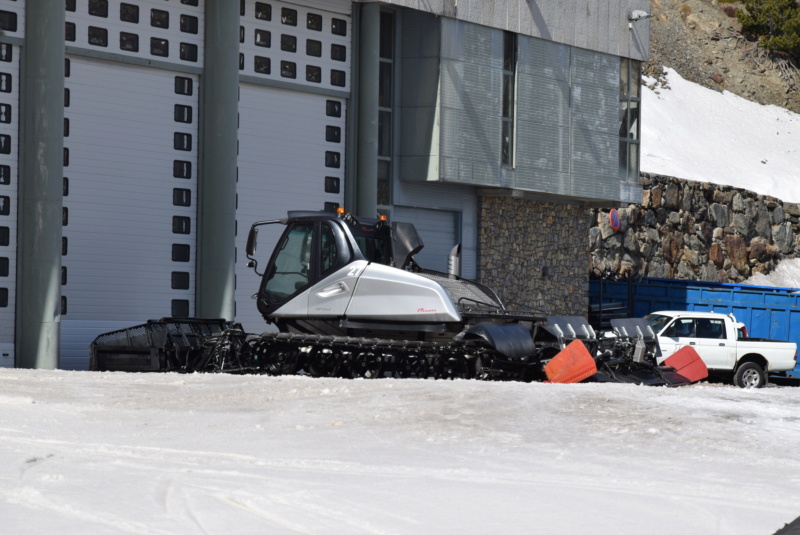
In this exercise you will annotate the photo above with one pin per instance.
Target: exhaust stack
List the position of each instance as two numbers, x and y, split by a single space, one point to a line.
454 262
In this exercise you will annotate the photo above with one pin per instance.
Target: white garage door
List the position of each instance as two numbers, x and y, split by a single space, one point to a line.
11 23
285 163
438 230
295 65
130 165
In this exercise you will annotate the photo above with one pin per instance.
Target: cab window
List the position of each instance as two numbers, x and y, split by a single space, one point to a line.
710 328
328 249
289 271
374 249
681 328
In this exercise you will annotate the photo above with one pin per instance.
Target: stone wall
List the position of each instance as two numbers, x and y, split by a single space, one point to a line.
535 253
696 231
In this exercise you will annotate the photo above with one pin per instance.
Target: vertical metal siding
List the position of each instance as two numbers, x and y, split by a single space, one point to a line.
543 106
471 107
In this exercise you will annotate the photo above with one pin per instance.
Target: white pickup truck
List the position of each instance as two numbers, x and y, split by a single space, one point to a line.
722 343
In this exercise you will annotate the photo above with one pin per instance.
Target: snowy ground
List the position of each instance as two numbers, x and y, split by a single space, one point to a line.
96 453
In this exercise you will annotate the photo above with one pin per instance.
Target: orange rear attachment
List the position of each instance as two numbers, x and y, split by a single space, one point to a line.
573 364
688 363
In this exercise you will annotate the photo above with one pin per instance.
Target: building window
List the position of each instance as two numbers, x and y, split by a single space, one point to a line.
263 38
288 16
314 48
288 43
385 107
98 36
128 41
314 22
313 74
509 88
288 69
262 65
98 8
263 11
129 13
159 18
339 27
630 83
189 24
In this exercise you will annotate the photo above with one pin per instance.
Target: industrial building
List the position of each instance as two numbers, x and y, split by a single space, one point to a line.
140 139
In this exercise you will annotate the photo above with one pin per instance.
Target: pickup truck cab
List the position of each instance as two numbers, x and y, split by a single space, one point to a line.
721 342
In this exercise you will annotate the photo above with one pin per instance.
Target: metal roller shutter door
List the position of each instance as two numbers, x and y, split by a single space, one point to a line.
130 191
9 136
438 230
287 161
295 67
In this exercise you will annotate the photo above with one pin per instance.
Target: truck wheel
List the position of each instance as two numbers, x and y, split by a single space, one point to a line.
749 375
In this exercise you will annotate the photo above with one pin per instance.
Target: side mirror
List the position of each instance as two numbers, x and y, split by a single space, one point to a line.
252 239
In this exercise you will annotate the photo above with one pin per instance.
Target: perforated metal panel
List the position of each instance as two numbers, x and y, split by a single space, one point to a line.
130 164
594 124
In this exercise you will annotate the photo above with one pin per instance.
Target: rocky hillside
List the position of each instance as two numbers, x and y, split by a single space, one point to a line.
702 41
692 230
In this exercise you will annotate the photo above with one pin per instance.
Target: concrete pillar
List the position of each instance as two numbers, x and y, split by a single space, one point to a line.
41 176
368 70
216 217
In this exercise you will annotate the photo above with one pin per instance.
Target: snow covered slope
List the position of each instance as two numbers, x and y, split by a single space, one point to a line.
691 132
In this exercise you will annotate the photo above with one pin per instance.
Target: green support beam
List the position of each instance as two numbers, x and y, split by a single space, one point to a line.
216 218
41 175
368 70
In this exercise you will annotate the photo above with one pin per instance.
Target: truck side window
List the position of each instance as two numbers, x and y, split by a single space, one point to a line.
710 328
329 252
681 328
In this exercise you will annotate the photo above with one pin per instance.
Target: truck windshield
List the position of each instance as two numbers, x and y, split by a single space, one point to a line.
657 321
